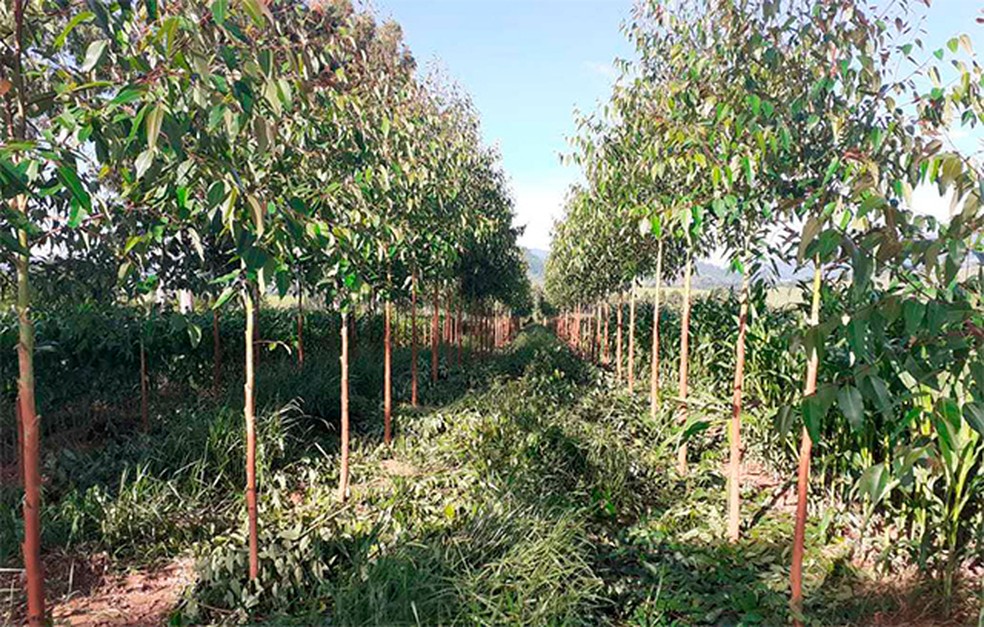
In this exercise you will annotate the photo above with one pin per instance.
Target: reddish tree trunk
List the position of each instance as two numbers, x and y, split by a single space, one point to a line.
803 473
618 339
604 342
654 357
30 420
343 472
684 361
20 441
249 410
457 332
435 330
632 326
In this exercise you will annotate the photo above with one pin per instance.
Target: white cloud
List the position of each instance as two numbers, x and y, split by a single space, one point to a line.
926 200
604 70
538 205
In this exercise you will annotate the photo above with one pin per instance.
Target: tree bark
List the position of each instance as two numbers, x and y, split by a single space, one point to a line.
734 483
654 356
618 339
249 409
20 441
803 474
27 408
343 472
606 313
632 325
30 422
435 332
684 360
457 331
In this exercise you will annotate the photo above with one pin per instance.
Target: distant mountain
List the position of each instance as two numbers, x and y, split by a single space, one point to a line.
709 275
536 259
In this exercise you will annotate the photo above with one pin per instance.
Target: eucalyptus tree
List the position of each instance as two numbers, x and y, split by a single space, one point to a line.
44 170
213 142
732 129
839 143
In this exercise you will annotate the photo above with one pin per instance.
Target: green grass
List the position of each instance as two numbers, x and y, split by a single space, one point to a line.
529 490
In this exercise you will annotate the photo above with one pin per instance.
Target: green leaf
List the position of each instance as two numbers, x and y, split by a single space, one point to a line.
912 313
194 334
814 411
877 388
82 16
93 54
153 121
144 160
8 242
810 231
874 483
68 178
974 414
224 296
219 11
851 404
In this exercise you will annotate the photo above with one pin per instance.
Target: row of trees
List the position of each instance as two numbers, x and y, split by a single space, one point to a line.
233 148
795 132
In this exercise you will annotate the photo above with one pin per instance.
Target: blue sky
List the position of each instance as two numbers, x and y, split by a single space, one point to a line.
528 63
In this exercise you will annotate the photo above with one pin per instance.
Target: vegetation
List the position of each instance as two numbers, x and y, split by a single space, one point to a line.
281 173
739 120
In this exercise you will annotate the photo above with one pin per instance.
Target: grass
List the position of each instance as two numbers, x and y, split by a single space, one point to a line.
529 490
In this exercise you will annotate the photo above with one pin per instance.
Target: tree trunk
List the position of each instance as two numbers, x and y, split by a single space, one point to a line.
144 401
654 357
632 325
435 331
20 441
618 339
684 360
216 351
606 313
598 333
343 472
803 474
413 340
300 326
387 374
27 409
30 422
457 331
734 471
249 409
591 334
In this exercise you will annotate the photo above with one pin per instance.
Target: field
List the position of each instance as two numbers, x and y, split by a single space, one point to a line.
529 488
